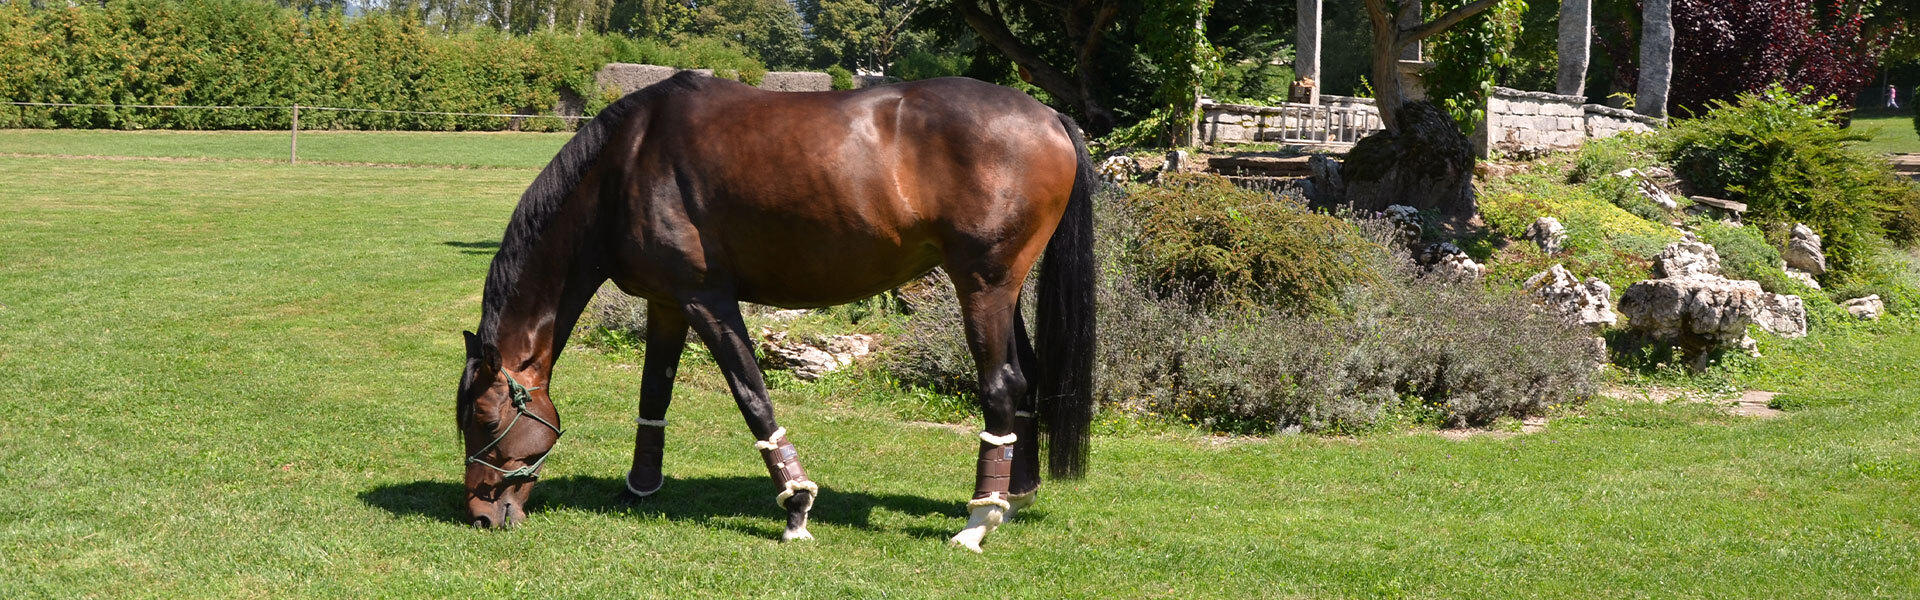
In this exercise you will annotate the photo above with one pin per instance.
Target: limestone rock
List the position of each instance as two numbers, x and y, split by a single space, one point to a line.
811 359
1177 161
1782 315
1698 312
1325 187
1428 165
1804 251
1406 224
1683 259
1118 169
1548 233
1648 189
1448 261
1587 303
1866 309
1803 277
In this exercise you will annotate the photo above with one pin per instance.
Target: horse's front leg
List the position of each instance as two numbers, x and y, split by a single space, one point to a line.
666 337
719 325
989 316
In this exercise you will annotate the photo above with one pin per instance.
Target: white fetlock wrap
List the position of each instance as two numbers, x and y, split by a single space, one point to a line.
985 514
795 486
772 441
662 423
999 440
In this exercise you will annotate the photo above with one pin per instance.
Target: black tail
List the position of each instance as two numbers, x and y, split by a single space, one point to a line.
1065 341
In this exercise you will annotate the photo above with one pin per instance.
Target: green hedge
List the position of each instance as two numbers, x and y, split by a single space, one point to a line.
246 52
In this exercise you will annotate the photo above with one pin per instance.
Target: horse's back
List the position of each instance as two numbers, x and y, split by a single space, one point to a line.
818 198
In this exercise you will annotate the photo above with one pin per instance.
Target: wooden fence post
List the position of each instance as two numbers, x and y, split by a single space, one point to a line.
293 142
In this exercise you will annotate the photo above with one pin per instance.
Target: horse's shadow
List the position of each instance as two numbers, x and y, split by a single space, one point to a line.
481 247
739 503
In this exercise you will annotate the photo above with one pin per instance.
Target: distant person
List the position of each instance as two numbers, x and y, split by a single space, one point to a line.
1892 97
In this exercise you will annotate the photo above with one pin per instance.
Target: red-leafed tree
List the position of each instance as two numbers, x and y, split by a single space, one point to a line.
1725 47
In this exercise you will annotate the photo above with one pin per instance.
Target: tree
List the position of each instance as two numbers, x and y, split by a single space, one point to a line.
1390 39
1726 47
862 34
1058 47
770 30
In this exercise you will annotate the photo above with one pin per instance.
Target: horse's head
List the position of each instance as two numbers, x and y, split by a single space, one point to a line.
509 426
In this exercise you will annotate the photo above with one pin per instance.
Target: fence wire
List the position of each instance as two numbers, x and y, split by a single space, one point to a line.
293 124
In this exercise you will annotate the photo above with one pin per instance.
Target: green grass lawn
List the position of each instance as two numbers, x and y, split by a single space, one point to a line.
235 380
468 149
1892 130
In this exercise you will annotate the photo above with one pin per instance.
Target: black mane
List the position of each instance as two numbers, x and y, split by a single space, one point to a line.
551 188
542 200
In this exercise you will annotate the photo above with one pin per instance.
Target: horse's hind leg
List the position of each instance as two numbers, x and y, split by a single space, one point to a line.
719 325
989 314
666 337
1025 488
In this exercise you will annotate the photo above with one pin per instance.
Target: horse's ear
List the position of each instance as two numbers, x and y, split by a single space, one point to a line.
473 344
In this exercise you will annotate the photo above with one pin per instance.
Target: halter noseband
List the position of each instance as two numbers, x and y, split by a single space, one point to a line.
520 395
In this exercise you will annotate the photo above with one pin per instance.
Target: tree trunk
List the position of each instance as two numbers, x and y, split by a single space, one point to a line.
1576 36
1656 57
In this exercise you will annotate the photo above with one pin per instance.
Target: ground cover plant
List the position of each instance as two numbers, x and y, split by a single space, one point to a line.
234 379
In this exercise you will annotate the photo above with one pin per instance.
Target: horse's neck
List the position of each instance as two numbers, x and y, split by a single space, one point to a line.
546 301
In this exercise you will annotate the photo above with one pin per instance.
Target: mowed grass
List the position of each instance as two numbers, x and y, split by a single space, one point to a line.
466 149
235 380
1892 130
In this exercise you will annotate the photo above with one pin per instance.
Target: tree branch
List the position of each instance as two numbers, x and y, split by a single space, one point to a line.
995 33
1438 24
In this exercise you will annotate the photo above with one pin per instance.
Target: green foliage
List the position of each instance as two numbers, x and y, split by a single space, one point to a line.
1605 156
1746 254
1790 163
1217 244
842 78
1893 273
1173 37
1603 239
920 64
1467 56
237 52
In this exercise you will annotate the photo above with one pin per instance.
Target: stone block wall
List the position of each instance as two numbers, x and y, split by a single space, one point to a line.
1524 123
1244 123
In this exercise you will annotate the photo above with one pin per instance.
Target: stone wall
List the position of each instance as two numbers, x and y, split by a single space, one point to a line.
626 78
1525 123
1222 123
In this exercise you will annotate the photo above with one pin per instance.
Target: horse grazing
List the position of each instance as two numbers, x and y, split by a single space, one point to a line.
697 193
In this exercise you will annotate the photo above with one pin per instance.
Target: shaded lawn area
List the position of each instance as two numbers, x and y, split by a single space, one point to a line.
1892 130
234 379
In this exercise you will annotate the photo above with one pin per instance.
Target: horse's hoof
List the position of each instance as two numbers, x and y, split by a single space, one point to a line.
795 535
969 539
1020 502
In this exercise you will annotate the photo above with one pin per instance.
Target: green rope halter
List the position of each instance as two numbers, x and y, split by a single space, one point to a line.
520 396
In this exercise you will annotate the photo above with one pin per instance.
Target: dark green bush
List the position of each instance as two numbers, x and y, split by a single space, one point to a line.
1222 245
842 78
1789 162
250 53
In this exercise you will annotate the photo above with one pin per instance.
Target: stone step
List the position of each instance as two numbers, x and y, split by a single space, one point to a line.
1259 165
1907 164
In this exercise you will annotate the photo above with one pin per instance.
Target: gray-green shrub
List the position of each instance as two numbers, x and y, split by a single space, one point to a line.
1458 351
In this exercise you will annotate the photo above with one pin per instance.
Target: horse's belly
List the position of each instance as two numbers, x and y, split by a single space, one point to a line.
807 267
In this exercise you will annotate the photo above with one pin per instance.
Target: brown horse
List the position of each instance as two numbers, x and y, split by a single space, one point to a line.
699 193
